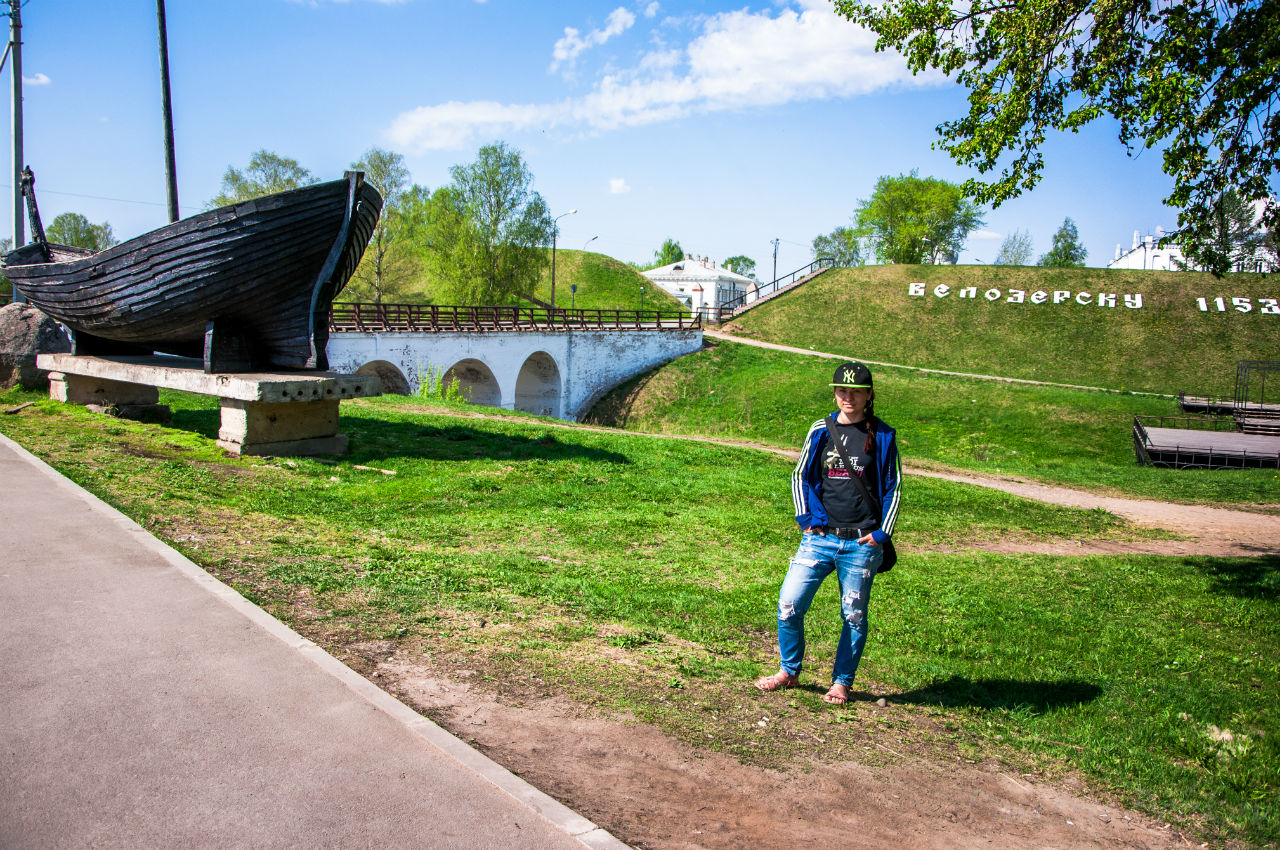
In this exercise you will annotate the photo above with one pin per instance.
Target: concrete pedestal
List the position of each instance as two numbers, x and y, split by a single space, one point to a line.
262 413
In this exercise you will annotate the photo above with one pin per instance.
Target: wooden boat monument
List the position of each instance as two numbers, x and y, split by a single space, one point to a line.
233 302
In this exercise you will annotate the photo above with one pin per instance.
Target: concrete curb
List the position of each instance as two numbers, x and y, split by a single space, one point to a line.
555 813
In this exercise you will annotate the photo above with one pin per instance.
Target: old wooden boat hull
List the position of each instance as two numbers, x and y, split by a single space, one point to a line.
246 286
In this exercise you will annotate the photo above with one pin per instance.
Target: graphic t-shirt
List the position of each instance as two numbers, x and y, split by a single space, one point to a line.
840 495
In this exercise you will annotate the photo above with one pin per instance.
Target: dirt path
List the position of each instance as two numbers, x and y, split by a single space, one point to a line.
1204 530
655 792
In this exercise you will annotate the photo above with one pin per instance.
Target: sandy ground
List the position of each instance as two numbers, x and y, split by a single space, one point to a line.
655 792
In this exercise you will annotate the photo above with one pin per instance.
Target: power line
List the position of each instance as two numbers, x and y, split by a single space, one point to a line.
93 197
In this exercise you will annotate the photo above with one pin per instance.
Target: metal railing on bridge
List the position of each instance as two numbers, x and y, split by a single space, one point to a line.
766 290
352 317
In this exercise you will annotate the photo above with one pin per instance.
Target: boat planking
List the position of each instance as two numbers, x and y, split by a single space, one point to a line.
246 287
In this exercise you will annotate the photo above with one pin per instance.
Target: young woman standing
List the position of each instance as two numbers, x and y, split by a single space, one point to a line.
847 489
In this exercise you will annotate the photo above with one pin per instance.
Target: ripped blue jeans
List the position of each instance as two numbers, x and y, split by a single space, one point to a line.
855 566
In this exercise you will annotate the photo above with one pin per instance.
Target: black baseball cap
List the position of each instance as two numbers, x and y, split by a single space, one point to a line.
852 374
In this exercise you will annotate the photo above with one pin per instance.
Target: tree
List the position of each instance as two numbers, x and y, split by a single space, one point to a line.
485 233
76 230
1067 252
841 245
739 264
913 219
1232 230
1015 250
267 173
670 252
1196 78
380 272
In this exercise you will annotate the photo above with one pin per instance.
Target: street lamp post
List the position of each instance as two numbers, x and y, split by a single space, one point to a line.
589 241
555 230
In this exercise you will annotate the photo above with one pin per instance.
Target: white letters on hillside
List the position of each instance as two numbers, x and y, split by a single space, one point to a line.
1133 301
1242 305
1060 296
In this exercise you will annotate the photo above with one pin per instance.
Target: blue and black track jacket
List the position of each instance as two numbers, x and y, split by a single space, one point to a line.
806 481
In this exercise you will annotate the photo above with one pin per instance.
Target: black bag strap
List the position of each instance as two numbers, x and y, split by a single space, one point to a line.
834 436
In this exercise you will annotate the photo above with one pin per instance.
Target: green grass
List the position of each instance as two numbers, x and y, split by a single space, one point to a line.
640 575
603 284
1074 437
1168 346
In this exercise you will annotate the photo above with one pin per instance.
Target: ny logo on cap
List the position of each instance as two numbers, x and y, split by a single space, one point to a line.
848 375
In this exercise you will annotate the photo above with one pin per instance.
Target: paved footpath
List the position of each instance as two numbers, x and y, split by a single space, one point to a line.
144 704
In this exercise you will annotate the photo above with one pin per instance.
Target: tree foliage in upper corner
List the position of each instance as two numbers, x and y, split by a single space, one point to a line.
913 219
742 265
74 229
266 174
841 245
1067 252
669 253
1015 250
1199 78
384 270
486 232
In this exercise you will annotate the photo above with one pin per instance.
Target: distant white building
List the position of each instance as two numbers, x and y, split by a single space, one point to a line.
701 285
1147 253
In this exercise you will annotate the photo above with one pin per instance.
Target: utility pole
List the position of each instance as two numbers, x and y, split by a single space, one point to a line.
170 162
775 259
14 50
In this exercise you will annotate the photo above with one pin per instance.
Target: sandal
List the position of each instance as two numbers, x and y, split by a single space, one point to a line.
778 681
838 695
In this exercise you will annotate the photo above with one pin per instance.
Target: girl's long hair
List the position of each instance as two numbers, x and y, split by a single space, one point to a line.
869 447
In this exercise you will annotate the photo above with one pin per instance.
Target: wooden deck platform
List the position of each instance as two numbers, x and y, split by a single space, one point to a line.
1226 406
1204 444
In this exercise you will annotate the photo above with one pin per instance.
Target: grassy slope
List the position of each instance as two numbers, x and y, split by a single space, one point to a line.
1168 346
1076 437
640 575
603 284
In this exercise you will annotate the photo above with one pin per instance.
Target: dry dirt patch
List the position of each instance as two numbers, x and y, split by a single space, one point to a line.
655 792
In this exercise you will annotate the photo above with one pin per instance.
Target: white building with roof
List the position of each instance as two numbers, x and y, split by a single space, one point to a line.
1147 253
701 285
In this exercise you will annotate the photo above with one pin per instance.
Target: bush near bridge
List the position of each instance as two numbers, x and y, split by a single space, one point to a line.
1167 346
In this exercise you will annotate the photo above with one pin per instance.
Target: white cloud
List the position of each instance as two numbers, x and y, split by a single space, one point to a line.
985 234
37 80
573 43
618 186
650 10
738 59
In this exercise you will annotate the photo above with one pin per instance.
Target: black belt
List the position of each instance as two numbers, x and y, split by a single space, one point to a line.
845 532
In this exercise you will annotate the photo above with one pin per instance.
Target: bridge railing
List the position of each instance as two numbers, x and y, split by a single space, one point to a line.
353 317
764 290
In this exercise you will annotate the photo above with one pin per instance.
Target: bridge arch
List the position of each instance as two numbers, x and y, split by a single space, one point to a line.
538 385
393 380
476 381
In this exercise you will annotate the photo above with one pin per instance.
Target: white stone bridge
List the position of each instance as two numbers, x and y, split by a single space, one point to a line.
551 362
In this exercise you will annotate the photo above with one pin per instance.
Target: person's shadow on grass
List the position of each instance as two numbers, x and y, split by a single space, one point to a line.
1006 694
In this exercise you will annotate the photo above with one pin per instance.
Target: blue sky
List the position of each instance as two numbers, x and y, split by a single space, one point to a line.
722 125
